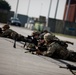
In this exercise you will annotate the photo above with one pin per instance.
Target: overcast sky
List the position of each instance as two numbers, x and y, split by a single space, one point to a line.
38 7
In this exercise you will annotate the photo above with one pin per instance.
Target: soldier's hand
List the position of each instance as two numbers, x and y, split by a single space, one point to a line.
36 47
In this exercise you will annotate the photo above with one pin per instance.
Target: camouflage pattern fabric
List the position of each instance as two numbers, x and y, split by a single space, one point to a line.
57 51
9 33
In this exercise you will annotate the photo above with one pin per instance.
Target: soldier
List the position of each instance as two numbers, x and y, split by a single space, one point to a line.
42 48
9 33
37 45
57 50
33 43
35 36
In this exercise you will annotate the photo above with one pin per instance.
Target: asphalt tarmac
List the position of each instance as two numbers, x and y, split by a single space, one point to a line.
14 61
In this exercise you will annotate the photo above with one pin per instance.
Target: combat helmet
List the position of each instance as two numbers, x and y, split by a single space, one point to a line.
49 37
5 27
34 33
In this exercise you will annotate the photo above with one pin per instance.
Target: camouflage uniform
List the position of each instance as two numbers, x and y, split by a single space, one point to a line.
42 48
9 33
56 50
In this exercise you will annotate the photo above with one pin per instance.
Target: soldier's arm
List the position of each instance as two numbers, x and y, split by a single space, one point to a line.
51 49
5 33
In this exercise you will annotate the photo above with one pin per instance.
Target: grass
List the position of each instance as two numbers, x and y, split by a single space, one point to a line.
69 36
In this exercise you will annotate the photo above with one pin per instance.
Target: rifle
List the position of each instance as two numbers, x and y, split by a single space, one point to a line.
38 51
68 42
68 66
15 39
31 50
63 43
29 40
20 38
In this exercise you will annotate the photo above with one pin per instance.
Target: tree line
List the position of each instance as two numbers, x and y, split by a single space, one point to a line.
4 5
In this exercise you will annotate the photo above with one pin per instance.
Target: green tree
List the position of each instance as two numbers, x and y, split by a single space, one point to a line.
4 5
